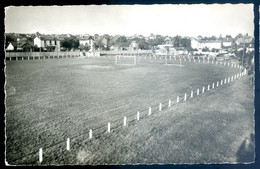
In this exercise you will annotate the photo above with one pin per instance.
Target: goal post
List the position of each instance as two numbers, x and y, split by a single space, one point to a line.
126 59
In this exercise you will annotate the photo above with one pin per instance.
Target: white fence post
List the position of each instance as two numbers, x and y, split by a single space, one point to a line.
125 121
213 85
90 134
228 79
138 115
108 127
221 82
232 78
198 91
208 87
160 106
40 155
169 103
217 83
185 97
203 89
150 111
225 81
68 143
191 94
178 99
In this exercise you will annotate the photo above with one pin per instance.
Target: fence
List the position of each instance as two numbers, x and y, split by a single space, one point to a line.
125 52
39 55
149 111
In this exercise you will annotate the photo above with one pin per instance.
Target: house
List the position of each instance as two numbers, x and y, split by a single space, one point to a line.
210 44
37 41
168 41
134 46
47 42
20 46
165 49
195 43
104 41
10 47
245 39
87 40
227 42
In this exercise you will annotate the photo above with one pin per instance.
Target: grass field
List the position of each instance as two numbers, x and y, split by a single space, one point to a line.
50 100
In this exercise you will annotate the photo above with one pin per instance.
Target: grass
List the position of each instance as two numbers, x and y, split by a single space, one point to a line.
50 100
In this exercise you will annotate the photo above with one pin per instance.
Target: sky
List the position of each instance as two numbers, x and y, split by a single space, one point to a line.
172 20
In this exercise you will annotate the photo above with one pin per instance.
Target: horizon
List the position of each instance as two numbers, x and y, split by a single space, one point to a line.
128 20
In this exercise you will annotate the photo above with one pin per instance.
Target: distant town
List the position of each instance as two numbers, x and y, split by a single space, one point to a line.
226 47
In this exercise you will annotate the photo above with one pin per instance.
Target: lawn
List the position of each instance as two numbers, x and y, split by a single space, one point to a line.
50 100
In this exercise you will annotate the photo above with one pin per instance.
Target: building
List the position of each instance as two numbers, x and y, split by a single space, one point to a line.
227 42
20 46
134 46
165 49
47 42
87 40
210 44
245 39
10 47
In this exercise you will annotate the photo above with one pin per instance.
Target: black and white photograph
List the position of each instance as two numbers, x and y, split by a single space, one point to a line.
129 84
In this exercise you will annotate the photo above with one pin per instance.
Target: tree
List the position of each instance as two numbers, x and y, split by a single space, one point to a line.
10 38
70 43
143 45
84 47
205 49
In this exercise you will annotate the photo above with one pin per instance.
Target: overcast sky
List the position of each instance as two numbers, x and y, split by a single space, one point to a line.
184 20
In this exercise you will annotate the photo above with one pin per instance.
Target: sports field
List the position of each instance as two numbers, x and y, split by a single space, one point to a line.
51 100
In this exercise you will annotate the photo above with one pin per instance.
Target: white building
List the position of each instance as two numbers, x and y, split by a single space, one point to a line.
210 44
227 42
10 47
133 46
37 42
87 40
46 41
